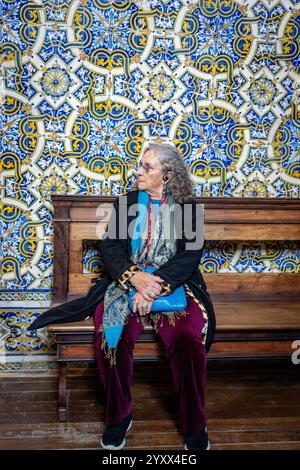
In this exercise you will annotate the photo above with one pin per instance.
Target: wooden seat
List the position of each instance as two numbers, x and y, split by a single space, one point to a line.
260 323
258 314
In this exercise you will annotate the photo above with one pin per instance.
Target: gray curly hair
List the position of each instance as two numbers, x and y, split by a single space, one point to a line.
180 184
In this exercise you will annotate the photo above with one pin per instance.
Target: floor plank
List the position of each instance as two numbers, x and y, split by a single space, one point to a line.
249 406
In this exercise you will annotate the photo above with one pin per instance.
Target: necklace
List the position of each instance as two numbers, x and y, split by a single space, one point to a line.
150 222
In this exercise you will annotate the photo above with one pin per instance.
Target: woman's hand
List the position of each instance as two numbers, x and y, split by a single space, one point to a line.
138 301
147 284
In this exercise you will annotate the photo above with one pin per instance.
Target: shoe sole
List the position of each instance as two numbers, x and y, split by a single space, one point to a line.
207 448
111 447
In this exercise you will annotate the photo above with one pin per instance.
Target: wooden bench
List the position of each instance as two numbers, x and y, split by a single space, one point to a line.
258 314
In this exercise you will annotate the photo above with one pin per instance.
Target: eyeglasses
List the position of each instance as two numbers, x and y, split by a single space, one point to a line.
146 167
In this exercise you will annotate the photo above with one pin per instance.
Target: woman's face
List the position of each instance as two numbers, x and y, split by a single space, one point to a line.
152 180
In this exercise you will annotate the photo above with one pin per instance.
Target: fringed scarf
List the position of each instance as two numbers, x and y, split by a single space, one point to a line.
162 247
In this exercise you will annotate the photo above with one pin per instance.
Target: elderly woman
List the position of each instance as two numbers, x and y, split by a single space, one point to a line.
187 333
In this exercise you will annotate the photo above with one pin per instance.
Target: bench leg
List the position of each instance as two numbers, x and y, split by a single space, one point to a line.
62 392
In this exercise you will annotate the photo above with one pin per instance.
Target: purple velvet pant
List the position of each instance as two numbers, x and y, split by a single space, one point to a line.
187 358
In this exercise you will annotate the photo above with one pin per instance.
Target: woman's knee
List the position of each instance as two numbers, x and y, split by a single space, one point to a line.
187 342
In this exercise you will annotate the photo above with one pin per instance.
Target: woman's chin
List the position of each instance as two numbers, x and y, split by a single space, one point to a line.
141 185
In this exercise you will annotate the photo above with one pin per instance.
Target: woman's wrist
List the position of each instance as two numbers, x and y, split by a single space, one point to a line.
127 275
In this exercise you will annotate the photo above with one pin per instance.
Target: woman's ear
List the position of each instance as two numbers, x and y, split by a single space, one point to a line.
165 177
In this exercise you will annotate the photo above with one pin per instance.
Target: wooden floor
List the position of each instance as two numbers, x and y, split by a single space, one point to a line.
249 406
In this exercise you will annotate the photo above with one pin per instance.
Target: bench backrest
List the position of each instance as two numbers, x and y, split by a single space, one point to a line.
81 218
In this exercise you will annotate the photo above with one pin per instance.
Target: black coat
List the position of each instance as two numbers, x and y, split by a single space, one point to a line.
116 253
